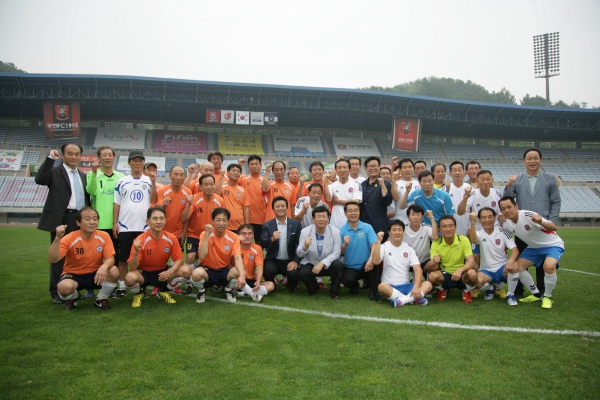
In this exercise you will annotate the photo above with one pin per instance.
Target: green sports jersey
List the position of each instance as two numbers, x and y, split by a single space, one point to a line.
453 256
102 190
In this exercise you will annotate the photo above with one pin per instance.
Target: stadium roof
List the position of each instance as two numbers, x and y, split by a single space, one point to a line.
176 101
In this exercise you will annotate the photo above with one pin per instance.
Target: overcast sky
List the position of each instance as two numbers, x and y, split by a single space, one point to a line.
344 44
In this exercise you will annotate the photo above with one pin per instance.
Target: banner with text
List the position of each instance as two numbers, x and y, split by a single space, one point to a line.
235 143
129 139
294 145
85 164
180 141
271 118
61 119
257 118
213 116
345 146
406 133
123 165
227 116
10 160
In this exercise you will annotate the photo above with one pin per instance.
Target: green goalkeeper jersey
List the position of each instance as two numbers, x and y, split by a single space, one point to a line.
102 190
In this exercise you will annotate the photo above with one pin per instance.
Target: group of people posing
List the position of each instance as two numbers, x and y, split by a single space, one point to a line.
401 232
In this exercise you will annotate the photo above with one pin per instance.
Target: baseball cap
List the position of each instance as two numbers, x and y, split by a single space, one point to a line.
149 164
136 153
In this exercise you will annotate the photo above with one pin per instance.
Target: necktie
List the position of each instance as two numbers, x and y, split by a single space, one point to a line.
79 201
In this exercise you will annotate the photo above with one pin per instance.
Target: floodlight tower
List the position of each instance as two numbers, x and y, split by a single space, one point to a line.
547 58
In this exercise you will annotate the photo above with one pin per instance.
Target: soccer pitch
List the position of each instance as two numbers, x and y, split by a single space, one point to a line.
295 346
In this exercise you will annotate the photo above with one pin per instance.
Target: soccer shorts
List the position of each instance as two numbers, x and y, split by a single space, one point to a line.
151 278
405 288
497 277
84 281
125 242
475 248
191 245
450 284
538 256
216 277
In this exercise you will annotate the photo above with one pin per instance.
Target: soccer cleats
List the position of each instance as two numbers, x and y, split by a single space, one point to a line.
102 304
547 302
530 299
166 296
510 299
489 295
200 297
501 293
421 302
72 304
257 298
466 297
441 294
395 303
137 299
230 297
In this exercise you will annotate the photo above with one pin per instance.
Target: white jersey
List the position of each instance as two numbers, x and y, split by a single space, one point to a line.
420 241
343 191
133 195
397 261
493 248
359 180
307 219
477 201
535 235
463 222
401 212
391 209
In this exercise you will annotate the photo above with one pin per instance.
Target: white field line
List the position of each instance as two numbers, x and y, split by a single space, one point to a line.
581 272
414 322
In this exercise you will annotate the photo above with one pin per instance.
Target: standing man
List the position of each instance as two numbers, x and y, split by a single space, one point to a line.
376 196
428 197
216 158
173 198
234 196
195 171
255 202
418 235
538 192
473 168
280 237
439 176
456 190
358 240
343 191
420 166
355 169
101 187
277 187
294 180
66 195
407 169
132 200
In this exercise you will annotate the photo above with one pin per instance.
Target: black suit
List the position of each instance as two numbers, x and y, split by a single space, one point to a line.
55 211
273 266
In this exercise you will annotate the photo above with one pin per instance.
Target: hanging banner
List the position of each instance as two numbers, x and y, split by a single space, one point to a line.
129 139
123 164
406 133
61 119
271 118
213 116
355 147
180 141
235 143
257 118
227 116
85 164
242 117
10 160
294 145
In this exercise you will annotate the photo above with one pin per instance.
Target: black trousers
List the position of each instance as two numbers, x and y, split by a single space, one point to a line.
351 276
56 268
274 267
257 233
539 272
335 272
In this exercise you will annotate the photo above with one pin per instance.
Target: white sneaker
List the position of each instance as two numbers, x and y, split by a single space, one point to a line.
230 297
200 298
256 297
240 294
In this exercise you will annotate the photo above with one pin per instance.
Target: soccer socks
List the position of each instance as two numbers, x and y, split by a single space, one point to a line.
550 282
527 282
232 283
172 285
396 295
247 290
122 285
486 286
106 289
512 280
69 296
198 285
135 289
469 288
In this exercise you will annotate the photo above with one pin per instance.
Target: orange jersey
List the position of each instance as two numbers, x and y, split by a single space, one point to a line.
252 257
195 184
279 189
256 200
234 197
174 210
294 192
154 253
221 250
158 187
201 213
85 256
305 192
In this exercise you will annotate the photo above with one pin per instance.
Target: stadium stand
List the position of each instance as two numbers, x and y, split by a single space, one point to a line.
3 133
30 157
21 192
90 137
170 162
466 152
35 136
501 172
583 153
574 172
578 199
516 153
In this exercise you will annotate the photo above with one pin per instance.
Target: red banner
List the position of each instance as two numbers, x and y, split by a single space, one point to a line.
213 116
180 141
406 133
61 119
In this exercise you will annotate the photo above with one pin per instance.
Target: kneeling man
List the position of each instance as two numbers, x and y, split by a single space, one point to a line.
89 260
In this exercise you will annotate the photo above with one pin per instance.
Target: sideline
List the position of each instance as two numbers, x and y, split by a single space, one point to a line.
581 272
415 322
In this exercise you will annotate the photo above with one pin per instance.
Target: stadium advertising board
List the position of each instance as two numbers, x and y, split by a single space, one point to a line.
406 133
257 118
10 160
242 117
85 164
123 165
61 119
227 116
240 144
294 145
355 147
213 116
130 139
180 141
271 118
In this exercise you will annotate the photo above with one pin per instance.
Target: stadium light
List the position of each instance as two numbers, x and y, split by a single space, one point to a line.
546 55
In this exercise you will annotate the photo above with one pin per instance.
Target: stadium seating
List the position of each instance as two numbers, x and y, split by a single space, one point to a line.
574 172
516 153
3 133
35 136
467 152
30 157
170 162
583 153
21 192
90 137
578 199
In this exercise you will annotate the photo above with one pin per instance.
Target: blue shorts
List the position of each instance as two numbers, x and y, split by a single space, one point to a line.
192 245
405 288
497 277
538 256
84 281
151 278
475 248
450 284
216 277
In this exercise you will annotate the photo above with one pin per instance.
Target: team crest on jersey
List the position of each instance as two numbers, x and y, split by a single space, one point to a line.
287 191
99 249
183 201
493 204
350 189
497 242
405 255
239 195
527 228
251 257
227 247
144 187
167 249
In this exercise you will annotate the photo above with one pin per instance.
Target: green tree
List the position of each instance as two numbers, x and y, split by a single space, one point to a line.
533 101
9 67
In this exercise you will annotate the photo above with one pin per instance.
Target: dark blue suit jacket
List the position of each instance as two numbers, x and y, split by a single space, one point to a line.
293 236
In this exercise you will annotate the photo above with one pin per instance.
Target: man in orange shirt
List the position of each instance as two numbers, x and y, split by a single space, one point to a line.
148 260
294 180
89 260
317 170
234 196
215 265
277 187
255 198
197 214
252 256
173 198
195 171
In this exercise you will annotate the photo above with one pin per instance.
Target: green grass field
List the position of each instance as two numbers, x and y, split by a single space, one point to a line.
219 350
